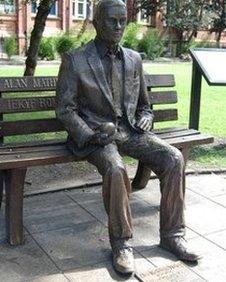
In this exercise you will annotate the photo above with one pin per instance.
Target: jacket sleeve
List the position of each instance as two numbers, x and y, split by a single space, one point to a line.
143 106
67 107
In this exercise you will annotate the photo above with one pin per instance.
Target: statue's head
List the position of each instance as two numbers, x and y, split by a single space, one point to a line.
110 20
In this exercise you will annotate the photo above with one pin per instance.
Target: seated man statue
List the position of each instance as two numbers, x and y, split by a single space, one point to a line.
102 102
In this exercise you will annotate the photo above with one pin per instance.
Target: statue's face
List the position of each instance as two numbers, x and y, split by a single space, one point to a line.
111 26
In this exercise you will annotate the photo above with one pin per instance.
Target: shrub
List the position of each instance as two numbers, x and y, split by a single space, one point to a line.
197 44
65 43
86 37
10 46
130 37
47 48
151 44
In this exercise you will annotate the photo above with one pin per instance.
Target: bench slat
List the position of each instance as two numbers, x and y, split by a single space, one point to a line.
36 158
22 127
159 80
165 115
168 129
162 97
181 133
190 140
48 83
28 83
28 104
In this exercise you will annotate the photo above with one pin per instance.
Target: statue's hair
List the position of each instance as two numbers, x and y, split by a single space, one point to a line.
101 6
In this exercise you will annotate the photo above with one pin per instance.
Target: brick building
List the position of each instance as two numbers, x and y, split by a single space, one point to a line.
17 18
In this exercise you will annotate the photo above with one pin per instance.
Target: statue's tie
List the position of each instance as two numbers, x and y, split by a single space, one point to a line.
116 85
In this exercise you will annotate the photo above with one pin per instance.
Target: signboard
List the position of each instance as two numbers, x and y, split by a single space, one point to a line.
212 63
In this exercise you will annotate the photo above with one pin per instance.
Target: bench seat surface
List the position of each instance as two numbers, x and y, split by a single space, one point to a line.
37 153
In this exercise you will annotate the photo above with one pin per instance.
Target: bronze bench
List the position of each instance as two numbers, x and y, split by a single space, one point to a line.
19 97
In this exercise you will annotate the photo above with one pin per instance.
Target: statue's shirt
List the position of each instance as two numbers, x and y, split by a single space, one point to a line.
113 64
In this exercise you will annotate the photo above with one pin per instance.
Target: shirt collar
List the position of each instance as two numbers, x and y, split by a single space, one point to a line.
103 49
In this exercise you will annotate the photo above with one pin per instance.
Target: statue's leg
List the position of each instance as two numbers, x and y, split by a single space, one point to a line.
168 164
142 176
116 190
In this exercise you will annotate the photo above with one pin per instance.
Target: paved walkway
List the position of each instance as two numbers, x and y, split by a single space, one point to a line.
67 240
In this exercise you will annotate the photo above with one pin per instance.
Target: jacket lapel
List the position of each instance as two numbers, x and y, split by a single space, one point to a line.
98 71
128 74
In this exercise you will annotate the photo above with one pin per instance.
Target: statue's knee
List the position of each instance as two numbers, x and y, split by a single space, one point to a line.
177 159
117 170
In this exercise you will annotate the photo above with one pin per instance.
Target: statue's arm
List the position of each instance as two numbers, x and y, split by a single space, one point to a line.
144 113
66 108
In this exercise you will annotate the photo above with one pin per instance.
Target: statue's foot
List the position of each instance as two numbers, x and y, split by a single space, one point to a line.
123 260
178 246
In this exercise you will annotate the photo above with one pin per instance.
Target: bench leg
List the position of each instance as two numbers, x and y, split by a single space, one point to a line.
1 186
142 177
14 185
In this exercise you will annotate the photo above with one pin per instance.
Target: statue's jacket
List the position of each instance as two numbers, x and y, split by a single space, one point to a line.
84 98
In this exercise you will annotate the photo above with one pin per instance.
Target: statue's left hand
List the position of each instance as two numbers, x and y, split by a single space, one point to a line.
145 123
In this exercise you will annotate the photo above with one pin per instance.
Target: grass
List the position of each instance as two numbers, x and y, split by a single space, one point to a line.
213 106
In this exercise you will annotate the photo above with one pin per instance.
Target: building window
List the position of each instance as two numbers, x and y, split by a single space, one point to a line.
142 17
82 9
35 4
7 6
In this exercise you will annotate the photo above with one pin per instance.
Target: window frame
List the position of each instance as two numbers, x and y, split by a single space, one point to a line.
143 21
4 10
75 14
50 15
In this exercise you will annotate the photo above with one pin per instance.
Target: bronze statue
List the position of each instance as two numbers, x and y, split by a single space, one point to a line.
103 104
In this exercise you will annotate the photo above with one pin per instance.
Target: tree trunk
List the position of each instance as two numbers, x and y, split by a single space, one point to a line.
180 42
36 35
131 10
219 38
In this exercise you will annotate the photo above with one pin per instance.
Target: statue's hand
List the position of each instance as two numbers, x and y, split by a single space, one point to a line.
145 123
104 135
101 139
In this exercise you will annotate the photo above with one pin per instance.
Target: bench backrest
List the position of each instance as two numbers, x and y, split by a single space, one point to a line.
27 105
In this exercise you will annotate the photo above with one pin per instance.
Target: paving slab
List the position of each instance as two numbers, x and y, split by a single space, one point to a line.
204 216
150 194
158 257
52 211
220 200
49 278
81 245
207 185
104 272
91 200
24 262
213 264
145 225
219 238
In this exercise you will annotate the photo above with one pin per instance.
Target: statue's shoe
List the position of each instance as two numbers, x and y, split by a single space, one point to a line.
178 246
123 260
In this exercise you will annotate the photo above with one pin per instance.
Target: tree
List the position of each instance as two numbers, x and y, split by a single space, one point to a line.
217 10
36 35
185 17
